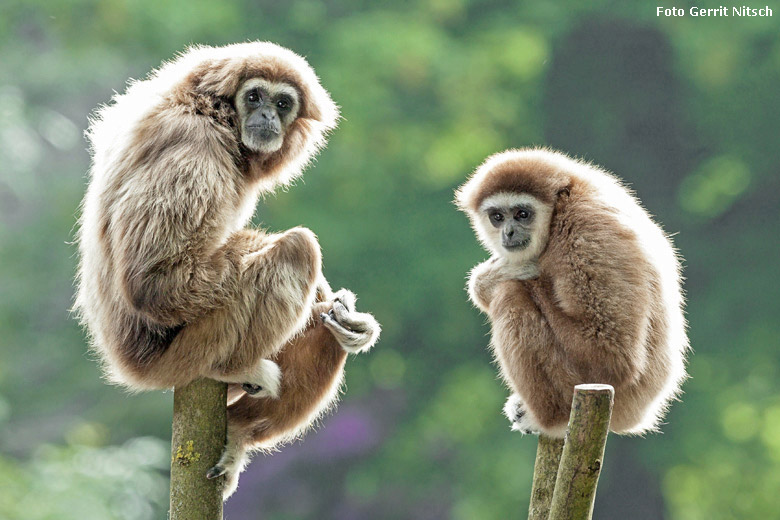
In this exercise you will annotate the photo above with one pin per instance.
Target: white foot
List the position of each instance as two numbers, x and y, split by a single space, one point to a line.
518 414
262 380
266 380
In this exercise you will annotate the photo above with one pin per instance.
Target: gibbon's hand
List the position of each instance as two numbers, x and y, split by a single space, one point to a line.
502 269
355 331
483 280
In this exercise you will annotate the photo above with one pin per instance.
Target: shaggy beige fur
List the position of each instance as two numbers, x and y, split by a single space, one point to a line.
171 287
605 307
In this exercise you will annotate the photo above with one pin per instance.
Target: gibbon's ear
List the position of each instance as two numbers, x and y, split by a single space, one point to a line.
561 201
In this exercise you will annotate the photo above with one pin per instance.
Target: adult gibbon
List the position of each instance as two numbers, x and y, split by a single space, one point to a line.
171 285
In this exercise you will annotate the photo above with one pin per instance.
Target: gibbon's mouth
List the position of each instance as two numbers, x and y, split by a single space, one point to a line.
517 246
265 132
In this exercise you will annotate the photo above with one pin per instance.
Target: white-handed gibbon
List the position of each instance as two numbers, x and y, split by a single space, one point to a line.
582 287
171 285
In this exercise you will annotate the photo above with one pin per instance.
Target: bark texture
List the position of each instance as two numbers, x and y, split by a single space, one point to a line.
199 435
583 453
548 457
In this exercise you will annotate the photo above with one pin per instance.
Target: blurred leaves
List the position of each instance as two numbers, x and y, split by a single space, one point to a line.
125 482
715 186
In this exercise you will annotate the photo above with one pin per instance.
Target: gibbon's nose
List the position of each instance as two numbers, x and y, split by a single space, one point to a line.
509 233
267 113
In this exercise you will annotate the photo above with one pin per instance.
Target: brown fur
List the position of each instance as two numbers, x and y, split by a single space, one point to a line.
606 306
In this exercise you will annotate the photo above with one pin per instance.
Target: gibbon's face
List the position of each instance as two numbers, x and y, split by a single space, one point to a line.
266 110
514 225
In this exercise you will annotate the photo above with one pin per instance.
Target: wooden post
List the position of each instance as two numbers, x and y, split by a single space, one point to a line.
548 457
583 453
199 435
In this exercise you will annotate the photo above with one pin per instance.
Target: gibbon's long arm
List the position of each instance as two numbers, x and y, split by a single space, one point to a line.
597 304
312 367
528 354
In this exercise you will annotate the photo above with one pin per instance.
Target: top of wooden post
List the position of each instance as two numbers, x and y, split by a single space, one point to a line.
594 388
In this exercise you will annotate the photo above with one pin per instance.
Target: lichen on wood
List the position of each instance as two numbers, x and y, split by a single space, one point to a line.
199 434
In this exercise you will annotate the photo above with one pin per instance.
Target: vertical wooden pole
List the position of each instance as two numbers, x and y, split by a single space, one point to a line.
583 453
199 435
548 457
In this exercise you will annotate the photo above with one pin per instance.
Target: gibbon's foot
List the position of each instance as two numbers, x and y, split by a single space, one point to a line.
215 471
520 417
355 331
266 380
251 389
262 380
230 464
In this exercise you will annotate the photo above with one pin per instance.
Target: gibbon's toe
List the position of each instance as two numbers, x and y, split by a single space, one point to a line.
266 380
251 389
514 408
216 471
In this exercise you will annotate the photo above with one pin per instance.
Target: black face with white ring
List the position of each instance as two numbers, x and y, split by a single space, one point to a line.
516 224
266 109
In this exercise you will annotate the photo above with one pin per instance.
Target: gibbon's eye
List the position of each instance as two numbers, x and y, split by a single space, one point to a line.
253 96
496 217
284 104
522 214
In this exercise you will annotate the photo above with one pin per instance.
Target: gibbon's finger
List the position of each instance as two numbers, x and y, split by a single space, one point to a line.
349 319
347 298
230 465
352 342
360 323
334 326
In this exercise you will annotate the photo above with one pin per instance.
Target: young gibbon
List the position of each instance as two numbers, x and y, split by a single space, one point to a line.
582 287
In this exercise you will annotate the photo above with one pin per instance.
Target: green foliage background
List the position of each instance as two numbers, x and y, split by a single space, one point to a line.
685 109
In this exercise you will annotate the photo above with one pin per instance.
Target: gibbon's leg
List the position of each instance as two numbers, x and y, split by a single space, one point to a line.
277 279
312 370
530 361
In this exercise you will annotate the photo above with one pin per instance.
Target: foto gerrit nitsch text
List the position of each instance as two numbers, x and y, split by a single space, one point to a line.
722 11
